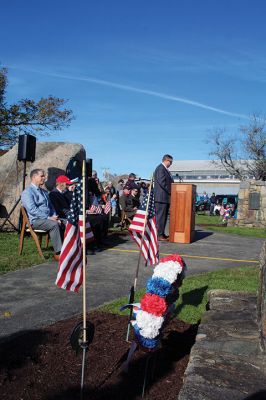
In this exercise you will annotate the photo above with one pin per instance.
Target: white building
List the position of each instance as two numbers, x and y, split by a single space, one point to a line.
206 175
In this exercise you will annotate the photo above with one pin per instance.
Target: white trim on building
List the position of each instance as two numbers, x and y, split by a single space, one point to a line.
206 175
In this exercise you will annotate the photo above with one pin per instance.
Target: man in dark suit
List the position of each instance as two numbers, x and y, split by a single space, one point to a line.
162 193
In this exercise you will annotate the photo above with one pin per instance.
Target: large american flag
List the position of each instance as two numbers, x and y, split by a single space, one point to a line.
150 249
70 271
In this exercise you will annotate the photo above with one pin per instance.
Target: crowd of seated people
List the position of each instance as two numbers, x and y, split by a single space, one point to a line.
49 211
125 198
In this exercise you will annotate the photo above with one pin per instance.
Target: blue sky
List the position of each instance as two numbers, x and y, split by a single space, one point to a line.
143 78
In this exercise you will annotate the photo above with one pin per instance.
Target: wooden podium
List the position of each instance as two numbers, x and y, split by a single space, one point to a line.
182 213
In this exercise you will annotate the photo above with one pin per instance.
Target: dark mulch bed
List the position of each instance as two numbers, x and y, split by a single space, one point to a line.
41 365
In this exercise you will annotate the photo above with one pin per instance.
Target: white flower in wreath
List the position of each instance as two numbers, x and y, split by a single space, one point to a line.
149 324
168 270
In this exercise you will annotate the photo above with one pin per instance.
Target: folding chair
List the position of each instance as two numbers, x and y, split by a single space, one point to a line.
36 234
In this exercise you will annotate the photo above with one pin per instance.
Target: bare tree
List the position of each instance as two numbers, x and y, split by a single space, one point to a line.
242 154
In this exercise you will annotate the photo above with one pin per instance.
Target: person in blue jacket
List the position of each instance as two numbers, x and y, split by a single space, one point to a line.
41 212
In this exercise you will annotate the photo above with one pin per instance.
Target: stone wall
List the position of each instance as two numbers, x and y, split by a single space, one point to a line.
252 204
53 157
226 362
262 298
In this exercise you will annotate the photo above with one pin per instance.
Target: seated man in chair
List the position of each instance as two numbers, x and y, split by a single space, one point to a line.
58 196
40 210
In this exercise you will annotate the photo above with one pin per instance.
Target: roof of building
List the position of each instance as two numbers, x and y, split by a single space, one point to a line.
197 165
192 165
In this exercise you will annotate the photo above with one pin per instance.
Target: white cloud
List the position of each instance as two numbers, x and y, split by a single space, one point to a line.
137 90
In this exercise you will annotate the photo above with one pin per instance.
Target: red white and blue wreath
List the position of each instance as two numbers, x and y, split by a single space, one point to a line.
157 304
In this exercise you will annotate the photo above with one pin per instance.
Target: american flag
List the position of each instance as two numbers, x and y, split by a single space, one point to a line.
107 207
95 207
70 271
150 249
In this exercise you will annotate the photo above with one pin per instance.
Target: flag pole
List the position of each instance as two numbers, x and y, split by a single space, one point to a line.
133 288
142 236
84 343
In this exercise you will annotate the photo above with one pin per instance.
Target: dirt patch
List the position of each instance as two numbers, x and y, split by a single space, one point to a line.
41 364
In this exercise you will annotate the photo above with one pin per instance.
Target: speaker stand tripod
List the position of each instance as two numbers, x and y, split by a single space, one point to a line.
17 202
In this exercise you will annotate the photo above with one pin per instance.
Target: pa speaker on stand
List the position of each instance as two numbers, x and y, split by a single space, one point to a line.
26 148
26 152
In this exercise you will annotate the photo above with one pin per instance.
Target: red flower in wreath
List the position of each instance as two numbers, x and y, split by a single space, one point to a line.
153 304
173 257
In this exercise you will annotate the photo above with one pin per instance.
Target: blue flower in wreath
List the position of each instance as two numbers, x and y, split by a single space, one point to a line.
145 342
159 286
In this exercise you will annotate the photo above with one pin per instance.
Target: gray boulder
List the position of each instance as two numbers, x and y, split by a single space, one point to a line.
56 158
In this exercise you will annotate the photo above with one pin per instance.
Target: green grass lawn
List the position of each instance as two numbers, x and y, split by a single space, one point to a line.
211 222
193 293
207 219
239 230
9 258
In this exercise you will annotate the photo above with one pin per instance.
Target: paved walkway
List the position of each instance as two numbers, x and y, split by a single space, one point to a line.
29 298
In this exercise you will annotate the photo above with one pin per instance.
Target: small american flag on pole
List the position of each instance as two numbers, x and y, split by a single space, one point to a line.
107 207
149 243
70 271
95 207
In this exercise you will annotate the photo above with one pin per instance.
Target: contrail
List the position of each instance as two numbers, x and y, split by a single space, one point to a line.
137 90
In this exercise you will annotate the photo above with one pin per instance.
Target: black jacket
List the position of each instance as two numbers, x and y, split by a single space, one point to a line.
60 202
131 202
162 184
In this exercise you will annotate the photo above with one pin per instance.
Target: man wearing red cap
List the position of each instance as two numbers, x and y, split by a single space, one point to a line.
58 196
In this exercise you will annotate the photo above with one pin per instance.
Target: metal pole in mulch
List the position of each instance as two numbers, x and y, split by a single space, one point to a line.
83 332
84 343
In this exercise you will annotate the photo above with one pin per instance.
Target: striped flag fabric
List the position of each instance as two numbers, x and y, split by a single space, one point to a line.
150 248
95 207
107 207
70 270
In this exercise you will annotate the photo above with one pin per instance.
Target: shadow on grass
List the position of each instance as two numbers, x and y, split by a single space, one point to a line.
30 247
193 297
